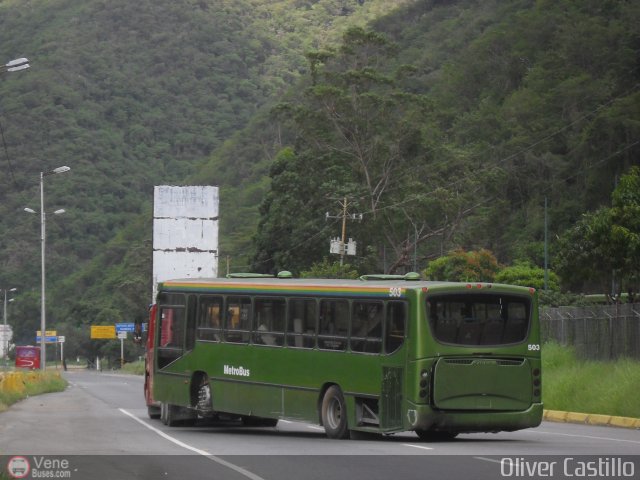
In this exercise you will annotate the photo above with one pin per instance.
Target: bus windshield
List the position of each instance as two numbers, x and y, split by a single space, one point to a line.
480 319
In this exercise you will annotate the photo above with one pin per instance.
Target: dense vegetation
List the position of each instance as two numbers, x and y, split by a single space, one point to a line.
533 102
612 385
446 123
129 95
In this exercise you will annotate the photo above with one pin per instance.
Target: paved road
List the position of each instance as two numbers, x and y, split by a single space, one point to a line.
100 427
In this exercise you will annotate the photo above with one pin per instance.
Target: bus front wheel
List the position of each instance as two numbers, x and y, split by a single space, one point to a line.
334 413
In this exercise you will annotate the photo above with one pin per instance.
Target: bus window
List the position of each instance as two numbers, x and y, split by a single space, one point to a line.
487 319
191 322
516 324
237 321
301 323
209 318
366 326
395 326
333 325
268 321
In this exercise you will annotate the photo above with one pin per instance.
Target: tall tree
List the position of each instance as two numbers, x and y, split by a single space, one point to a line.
361 122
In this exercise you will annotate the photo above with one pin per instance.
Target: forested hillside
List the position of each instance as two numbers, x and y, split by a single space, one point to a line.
447 127
446 123
129 95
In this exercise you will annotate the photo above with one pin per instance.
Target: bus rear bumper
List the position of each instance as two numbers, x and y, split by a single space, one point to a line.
422 417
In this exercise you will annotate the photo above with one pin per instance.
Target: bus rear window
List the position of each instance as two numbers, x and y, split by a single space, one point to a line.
484 319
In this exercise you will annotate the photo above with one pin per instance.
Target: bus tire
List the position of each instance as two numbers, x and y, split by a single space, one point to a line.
334 413
436 435
170 415
202 399
153 412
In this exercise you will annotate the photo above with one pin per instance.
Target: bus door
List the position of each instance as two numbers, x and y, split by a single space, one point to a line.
171 329
391 394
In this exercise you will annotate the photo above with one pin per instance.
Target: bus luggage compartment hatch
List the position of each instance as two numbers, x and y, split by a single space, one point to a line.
482 384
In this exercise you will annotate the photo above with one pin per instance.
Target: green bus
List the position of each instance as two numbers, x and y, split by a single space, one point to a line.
380 354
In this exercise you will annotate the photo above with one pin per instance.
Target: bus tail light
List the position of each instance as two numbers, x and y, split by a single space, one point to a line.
537 383
424 385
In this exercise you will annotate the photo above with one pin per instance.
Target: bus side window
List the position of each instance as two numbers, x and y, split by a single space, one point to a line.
210 318
333 324
395 326
268 321
301 323
366 326
192 303
238 319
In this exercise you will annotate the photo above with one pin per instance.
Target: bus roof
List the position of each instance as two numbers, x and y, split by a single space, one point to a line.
373 285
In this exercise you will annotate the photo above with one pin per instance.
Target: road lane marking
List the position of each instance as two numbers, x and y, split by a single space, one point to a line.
204 453
164 435
585 436
417 446
488 459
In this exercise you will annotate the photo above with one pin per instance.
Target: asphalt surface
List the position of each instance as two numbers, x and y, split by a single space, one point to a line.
98 428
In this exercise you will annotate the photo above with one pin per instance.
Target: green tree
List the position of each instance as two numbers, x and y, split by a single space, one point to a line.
362 133
329 269
527 275
604 246
462 266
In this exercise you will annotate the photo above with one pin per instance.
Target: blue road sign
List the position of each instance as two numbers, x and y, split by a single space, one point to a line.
47 339
125 327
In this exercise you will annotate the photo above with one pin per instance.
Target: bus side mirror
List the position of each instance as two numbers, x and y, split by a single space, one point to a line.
137 333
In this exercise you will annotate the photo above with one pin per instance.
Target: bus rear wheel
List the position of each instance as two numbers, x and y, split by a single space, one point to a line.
334 413
203 402
174 415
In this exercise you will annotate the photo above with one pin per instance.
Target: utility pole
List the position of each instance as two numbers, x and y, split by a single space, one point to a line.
340 246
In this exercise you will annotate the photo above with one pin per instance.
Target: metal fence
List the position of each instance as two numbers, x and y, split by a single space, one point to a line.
599 332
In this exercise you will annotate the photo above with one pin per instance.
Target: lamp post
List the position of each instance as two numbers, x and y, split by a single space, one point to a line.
5 349
15 65
43 317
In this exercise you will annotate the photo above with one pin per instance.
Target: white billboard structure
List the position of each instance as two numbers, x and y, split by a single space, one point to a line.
6 334
185 233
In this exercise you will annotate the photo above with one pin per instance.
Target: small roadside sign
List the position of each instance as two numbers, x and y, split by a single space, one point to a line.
47 338
122 335
61 339
48 333
103 331
125 327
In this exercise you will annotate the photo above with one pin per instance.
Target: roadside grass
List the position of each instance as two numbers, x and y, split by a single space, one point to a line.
28 385
134 368
588 386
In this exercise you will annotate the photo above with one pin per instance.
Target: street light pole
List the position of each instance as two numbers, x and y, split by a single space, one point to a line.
5 349
43 316
15 65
